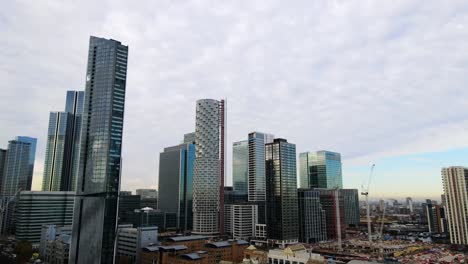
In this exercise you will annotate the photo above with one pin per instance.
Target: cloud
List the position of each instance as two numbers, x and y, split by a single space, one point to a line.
367 79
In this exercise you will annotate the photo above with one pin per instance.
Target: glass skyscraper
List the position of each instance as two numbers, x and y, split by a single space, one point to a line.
281 192
321 169
240 166
95 212
176 183
312 218
63 139
256 173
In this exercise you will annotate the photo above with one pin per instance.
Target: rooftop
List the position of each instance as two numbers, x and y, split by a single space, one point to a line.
187 238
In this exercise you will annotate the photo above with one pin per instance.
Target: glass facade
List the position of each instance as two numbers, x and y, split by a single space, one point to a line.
98 183
240 163
312 219
17 168
63 139
176 183
321 169
256 167
281 191
351 206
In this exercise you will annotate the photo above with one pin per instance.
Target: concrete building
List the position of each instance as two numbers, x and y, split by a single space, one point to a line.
208 179
176 183
58 250
63 143
51 233
281 192
321 169
312 217
98 184
240 220
34 209
130 241
455 180
436 217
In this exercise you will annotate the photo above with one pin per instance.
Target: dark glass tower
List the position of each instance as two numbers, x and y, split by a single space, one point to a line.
95 212
281 192
312 218
176 183
63 139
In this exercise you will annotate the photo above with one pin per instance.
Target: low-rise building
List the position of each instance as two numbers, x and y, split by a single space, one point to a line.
294 254
57 251
51 233
130 241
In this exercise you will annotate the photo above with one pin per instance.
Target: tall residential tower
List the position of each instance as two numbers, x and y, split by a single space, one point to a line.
98 185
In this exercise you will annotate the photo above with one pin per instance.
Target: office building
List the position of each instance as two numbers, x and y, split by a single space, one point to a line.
312 218
233 197
35 209
176 183
455 180
240 220
240 166
130 241
149 217
63 139
127 205
17 175
321 169
18 165
351 206
147 193
334 212
50 233
208 178
256 166
3 153
409 204
100 153
281 192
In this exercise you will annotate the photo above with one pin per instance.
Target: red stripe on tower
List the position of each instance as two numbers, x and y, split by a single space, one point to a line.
222 113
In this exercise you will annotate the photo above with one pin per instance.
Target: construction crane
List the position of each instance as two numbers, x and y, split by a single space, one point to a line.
365 192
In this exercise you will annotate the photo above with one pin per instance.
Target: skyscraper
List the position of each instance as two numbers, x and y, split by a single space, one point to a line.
455 180
409 204
176 183
335 217
321 169
312 218
3 153
240 163
63 139
256 172
95 212
207 168
18 169
281 192
351 206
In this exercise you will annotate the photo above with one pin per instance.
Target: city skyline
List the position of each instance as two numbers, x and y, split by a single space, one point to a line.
314 93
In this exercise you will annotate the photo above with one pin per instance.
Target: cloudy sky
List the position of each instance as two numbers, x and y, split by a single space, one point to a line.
381 82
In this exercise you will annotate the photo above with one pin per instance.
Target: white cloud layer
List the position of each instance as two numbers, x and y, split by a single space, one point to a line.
364 78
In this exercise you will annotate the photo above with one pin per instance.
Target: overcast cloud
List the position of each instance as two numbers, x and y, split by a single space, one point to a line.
368 79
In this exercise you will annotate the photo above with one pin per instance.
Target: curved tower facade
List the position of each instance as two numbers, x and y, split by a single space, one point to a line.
207 178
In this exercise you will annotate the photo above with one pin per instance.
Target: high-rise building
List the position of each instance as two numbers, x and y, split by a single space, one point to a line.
95 213
351 206
208 178
321 169
3 153
281 192
312 218
256 166
455 180
435 215
18 166
176 183
35 209
409 204
335 217
240 166
241 220
127 205
189 138
147 193
63 139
